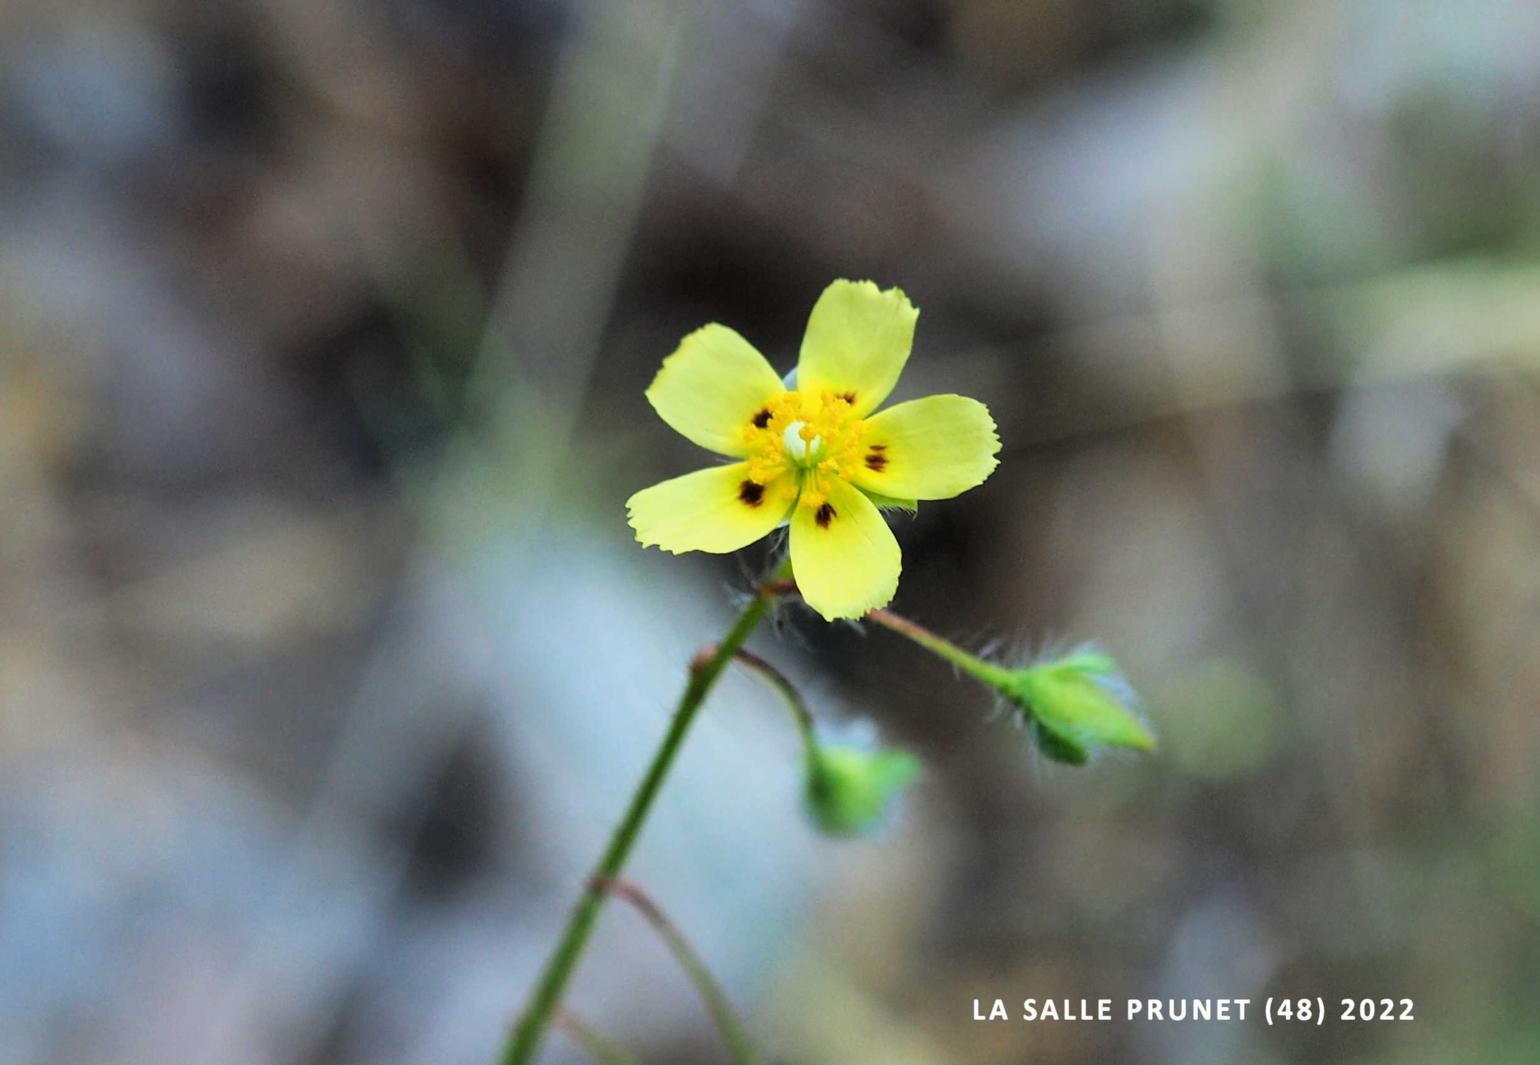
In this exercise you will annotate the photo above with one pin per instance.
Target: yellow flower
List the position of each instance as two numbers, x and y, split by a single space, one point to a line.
814 454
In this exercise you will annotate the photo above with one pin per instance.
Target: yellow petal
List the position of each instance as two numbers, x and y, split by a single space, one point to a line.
717 510
843 554
931 448
857 342
711 388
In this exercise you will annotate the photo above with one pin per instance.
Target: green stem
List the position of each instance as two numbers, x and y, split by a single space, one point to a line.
717 1004
525 1040
782 685
969 663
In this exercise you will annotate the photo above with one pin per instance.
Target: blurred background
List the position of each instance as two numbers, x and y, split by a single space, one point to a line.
327 659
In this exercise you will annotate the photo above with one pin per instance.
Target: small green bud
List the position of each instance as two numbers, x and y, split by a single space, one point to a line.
849 789
1072 706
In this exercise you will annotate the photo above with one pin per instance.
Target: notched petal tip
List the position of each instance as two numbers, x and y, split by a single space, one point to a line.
639 527
879 596
866 289
846 559
876 601
857 341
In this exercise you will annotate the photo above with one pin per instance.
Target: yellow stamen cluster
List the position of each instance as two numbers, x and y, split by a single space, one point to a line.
830 435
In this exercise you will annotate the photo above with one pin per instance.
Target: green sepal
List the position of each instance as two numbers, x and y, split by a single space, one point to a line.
849 790
908 506
1089 662
1056 747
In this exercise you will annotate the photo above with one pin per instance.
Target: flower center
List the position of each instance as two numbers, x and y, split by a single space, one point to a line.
814 436
798 446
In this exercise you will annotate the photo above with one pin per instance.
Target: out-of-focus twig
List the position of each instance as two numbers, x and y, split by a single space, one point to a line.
594 1043
722 1012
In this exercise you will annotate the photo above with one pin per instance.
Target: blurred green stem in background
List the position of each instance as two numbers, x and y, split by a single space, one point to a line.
594 1043
524 1043
734 1034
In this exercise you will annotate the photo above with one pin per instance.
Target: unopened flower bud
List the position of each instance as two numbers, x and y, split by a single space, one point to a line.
1075 706
850 789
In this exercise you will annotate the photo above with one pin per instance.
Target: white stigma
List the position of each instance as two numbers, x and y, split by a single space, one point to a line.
797 447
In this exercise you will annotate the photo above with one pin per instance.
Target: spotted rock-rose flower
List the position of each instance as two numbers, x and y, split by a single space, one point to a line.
812 451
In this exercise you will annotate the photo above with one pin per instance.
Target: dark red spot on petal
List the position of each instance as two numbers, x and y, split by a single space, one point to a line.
876 461
879 447
750 493
825 515
761 419
849 397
